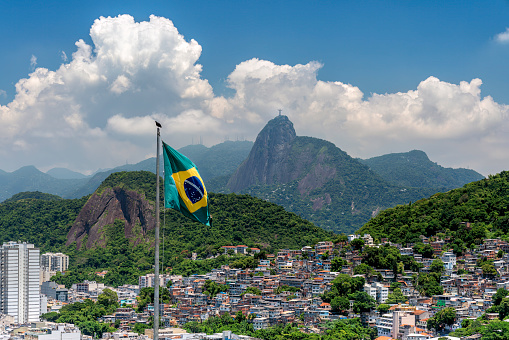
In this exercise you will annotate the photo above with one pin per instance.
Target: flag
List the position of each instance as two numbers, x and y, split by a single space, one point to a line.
183 187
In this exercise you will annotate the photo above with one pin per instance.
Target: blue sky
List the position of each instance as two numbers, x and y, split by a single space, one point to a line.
373 49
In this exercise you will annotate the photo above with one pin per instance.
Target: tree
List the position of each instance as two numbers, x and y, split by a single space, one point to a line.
497 330
445 317
108 299
426 250
503 309
363 269
383 308
147 297
498 296
212 288
337 264
488 269
252 290
357 243
341 238
395 285
437 267
343 285
396 297
340 304
429 285
363 302
262 255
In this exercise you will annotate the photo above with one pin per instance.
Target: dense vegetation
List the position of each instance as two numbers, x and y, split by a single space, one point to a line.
342 329
483 203
237 219
34 195
39 221
414 169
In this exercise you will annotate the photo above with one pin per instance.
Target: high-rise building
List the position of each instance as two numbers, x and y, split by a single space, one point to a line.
51 263
54 262
19 281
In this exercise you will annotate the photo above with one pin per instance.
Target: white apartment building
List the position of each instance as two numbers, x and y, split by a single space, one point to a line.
19 281
377 291
449 260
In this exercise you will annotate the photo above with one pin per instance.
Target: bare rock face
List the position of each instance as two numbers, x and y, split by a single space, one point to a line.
267 161
103 209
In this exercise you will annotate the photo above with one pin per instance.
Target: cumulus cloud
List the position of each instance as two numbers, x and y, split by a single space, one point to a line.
432 117
503 37
98 109
63 55
131 72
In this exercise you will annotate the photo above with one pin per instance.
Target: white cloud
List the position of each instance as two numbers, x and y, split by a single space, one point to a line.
98 109
434 116
131 72
503 37
33 62
63 55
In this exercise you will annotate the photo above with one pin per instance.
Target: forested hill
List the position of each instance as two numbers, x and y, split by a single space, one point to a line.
415 169
237 219
483 203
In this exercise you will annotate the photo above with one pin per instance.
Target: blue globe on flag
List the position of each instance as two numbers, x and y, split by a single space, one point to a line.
194 189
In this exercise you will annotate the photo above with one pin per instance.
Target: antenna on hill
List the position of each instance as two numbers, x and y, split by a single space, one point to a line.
280 111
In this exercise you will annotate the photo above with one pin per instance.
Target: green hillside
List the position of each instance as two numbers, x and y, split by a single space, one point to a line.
414 169
42 222
483 203
237 219
33 195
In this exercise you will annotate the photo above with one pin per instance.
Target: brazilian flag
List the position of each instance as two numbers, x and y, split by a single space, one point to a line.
183 187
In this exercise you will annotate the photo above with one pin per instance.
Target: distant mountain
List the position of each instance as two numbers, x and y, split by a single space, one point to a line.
218 160
414 169
315 179
29 178
63 173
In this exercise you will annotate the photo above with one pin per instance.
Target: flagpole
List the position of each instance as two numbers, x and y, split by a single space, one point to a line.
156 268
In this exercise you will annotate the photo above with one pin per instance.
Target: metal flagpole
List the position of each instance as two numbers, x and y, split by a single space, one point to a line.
156 268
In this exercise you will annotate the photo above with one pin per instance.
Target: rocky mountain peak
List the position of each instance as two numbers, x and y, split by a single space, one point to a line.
267 157
103 209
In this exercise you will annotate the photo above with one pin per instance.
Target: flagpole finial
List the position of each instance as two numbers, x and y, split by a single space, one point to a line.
158 124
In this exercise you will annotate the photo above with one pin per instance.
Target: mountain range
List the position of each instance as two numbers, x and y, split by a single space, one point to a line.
218 160
306 175
315 179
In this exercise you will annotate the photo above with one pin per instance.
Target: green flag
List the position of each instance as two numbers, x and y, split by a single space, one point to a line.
183 187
